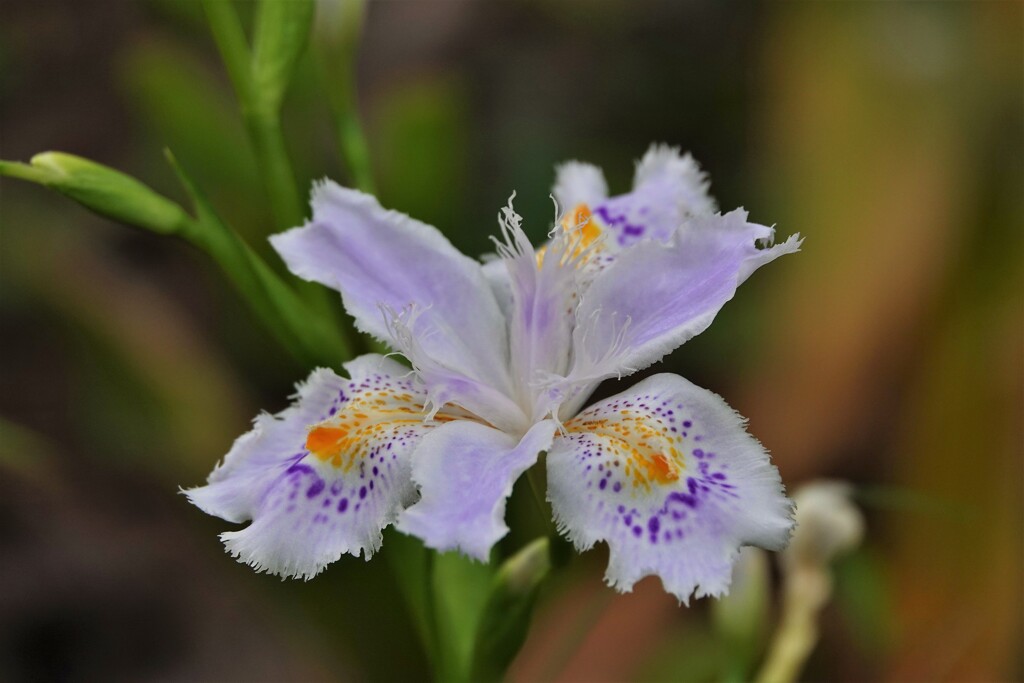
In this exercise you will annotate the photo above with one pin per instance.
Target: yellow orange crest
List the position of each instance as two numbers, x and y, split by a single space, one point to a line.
364 421
650 451
579 219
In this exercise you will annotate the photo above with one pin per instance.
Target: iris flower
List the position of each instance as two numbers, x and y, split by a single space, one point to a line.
504 356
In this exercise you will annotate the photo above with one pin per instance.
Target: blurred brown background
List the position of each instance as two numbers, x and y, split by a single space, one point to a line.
889 353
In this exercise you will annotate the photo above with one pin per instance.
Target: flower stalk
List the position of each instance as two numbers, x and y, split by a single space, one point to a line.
806 591
336 41
311 338
260 80
505 621
828 526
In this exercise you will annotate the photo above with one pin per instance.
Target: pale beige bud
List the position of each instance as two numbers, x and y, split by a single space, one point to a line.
828 524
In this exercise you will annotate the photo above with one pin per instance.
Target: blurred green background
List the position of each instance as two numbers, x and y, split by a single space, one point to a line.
889 353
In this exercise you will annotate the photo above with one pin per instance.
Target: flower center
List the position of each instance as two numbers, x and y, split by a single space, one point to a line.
650 451
579 219
343 439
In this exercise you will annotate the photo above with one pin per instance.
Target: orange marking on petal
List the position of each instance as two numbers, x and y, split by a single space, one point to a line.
347 437
650 454
577 219
324 442
660 469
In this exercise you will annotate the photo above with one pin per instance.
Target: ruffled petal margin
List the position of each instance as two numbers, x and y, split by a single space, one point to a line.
405 284
579 183
325 476
656 296
667 475
668 188
465 472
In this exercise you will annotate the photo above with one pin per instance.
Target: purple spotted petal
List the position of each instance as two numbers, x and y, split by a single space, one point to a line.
656 296
465 471
323 477
667 475
669 187
404 283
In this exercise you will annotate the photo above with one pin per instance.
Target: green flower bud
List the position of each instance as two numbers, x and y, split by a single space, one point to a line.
506 616
107 192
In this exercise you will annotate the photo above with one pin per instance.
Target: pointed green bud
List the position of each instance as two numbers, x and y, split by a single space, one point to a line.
100 188
282 29
506 616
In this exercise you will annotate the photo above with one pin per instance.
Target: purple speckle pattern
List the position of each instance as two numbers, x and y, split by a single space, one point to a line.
632 447
664 473
668 188
629 471
307 509
641 214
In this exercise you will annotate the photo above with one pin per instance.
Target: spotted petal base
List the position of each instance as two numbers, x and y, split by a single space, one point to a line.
668 476
325 476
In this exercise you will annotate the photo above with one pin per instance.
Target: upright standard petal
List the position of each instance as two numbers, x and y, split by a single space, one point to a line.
391 268
669 477
542 300
656 296
325 476
465 471
668 188
579 183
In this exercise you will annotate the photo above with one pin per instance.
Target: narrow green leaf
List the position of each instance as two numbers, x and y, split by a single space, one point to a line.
505 620
314 338
230 38
282 29
261 109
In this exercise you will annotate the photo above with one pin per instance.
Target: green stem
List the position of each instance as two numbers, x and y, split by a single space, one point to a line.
272 157
312 337
805 593
412 567
234 49
506 616
353 147
535 476
261 112
337 50
262 122
14 169
538 479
